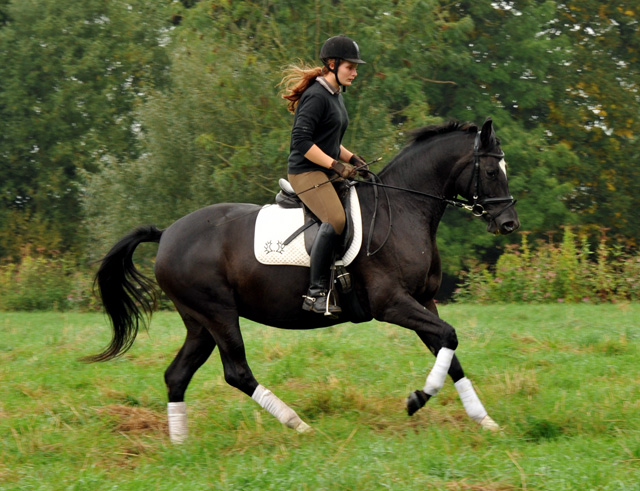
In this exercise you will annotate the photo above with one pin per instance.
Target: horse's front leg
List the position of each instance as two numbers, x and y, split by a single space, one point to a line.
440 337
470 400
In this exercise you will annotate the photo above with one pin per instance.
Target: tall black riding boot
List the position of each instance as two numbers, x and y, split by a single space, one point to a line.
317 298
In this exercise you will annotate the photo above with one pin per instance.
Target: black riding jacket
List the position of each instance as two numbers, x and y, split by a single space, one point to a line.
320 118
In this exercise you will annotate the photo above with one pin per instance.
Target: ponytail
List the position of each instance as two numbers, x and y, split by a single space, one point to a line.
297 79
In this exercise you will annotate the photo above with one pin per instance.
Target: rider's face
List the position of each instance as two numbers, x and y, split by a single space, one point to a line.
347 71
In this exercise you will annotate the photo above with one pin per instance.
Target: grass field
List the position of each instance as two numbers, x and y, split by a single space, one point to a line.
563 381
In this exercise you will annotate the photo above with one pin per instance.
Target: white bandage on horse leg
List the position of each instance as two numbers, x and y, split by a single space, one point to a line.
470 399
437 375
473 406
177 412
283 413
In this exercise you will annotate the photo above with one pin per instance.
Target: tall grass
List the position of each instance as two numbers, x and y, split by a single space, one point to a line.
562 380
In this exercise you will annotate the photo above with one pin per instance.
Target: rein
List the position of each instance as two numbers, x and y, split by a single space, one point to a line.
476 207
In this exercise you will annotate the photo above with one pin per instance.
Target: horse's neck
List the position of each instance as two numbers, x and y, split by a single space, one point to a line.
429 168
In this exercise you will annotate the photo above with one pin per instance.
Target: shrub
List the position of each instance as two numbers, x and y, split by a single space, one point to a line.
564 272
44 282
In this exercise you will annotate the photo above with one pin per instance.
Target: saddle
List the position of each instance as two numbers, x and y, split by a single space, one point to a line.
285 231
288 198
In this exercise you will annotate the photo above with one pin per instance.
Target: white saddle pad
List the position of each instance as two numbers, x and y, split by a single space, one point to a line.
275 224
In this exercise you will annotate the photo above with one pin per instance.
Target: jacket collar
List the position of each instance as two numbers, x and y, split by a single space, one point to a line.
323 81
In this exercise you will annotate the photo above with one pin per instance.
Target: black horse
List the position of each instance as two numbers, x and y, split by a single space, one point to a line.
205 264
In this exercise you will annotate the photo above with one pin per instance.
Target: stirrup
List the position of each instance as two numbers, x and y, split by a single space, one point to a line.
320 304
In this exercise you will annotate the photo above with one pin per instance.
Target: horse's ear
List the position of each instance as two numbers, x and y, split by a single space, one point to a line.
487 135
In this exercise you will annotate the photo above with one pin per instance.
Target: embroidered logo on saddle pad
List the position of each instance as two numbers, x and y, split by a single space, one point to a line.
275 224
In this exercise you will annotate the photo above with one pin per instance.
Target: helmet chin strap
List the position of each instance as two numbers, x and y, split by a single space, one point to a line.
336 64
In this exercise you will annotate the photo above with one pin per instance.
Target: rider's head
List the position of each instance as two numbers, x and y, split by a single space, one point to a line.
339 49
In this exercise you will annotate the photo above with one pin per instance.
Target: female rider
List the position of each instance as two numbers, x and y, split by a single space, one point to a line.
317 155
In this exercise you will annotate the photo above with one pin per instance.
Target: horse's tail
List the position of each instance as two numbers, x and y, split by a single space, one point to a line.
128 297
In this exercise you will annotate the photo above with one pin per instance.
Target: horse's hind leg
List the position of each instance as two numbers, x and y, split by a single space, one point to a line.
223 325
238 374
195 351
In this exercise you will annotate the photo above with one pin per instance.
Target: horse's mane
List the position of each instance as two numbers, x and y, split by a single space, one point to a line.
426 132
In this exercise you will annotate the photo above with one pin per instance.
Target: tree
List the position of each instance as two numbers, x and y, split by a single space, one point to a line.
595 111
70 76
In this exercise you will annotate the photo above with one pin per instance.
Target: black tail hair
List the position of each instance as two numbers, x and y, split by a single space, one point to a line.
128 297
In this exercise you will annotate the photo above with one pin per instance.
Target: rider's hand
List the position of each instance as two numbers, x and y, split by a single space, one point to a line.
344 170
360 164
357 161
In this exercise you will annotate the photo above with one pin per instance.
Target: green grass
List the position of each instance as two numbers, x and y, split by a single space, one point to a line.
562 381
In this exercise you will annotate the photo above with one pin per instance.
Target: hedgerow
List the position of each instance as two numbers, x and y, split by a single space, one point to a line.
568 271
40 281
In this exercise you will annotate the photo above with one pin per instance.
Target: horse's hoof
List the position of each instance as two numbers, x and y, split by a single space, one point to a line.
489 424
304 428
416 400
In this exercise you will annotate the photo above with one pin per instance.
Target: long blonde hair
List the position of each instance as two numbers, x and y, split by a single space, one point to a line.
297 79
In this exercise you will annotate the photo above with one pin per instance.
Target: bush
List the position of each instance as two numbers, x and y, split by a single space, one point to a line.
45 282
564 272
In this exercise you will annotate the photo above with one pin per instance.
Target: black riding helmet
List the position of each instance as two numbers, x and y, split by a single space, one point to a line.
340 48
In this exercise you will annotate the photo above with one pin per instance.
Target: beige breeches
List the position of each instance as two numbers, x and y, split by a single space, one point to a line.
323 201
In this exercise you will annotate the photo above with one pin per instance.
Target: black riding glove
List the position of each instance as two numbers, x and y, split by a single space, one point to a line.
357 161
360 164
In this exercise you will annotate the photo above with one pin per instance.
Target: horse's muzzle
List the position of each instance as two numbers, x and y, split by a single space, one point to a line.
504 222
504 225
509 226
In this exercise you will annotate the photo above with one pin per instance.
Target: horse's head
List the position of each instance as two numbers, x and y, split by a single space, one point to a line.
486 183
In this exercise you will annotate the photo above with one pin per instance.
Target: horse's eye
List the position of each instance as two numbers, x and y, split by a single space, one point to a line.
492 173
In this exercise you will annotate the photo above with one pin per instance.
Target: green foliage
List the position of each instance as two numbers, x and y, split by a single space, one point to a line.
70 76
564 272
39 282
594 110
114 114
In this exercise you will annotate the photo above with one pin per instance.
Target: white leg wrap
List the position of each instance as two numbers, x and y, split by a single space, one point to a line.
473 406
283 413
438 374
177 412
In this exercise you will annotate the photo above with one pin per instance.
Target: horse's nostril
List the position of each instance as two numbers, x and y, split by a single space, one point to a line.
508 227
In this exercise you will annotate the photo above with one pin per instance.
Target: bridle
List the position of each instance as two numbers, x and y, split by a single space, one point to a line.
477 206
